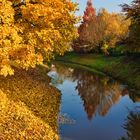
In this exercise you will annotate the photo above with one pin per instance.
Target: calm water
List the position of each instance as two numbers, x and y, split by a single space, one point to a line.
95 107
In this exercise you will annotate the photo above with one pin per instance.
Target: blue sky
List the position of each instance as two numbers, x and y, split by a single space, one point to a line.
110 5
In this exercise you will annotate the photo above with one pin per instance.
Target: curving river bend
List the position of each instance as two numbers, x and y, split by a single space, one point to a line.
94 106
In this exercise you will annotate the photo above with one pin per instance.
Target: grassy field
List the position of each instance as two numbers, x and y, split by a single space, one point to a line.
120 67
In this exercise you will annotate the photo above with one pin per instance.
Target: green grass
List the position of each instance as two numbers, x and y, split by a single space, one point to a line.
120 67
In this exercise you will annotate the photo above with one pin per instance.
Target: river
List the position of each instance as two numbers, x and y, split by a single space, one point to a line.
95 106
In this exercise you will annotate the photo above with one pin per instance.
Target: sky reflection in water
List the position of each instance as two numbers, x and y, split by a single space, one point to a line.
103 108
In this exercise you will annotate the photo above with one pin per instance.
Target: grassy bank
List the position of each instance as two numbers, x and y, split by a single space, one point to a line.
120 67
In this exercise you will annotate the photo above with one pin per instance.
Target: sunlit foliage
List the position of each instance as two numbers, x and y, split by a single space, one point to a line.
114 29
32 31
83 31
102 31
28 106
89 13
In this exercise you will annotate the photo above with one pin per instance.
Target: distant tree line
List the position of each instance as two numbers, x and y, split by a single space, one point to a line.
107 32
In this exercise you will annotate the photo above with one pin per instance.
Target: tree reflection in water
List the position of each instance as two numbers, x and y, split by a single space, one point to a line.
97 92
132 126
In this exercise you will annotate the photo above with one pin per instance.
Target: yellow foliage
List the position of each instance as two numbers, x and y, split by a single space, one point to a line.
115 26
33 31
29 107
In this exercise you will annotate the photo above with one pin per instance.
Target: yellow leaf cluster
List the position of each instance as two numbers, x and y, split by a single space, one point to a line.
33 31
115 25
29 107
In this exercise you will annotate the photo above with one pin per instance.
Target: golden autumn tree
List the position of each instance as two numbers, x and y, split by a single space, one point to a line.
113 27
32 31
100 32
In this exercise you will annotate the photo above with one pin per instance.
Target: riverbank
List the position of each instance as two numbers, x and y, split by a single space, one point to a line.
125 69
29 106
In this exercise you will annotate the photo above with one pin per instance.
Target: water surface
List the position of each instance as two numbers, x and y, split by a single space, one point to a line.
97 107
